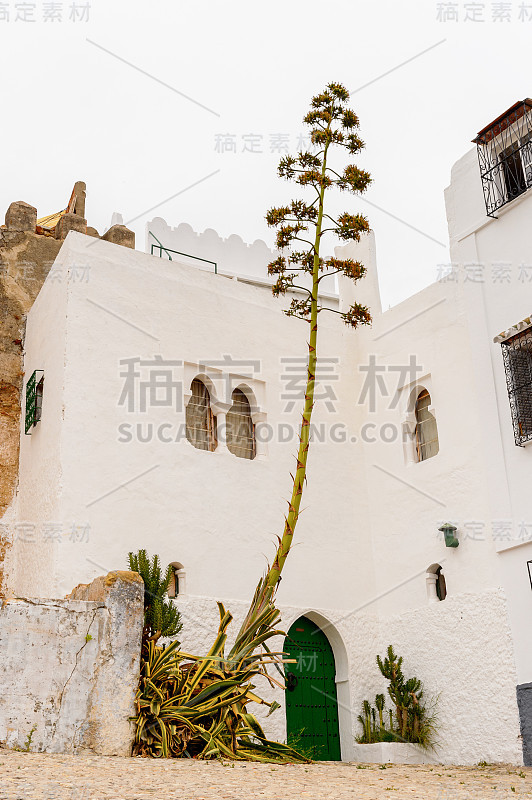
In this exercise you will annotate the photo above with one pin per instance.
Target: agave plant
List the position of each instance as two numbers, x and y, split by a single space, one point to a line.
196 706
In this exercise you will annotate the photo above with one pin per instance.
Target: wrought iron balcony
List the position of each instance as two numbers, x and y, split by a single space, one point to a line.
517 356
504 150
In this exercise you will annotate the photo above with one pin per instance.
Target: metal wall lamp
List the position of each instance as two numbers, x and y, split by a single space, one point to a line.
449 531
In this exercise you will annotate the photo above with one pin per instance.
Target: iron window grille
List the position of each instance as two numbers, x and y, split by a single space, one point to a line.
240 430
504 149
34 394
427 444
441 586
175 579
517 356
200 421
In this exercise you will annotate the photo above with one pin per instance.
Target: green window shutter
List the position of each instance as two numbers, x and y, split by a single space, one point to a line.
31 400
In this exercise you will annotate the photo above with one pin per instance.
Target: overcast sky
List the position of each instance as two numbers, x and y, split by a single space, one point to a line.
72 109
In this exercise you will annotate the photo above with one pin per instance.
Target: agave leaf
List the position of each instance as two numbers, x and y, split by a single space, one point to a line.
215 687
256 699
209 708
253 723
151 685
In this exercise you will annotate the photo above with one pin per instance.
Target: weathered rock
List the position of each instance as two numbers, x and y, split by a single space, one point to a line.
20 216
100 587
119 234
70 222
80 193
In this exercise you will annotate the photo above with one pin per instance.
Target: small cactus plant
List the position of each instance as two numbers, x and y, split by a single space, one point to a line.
409 720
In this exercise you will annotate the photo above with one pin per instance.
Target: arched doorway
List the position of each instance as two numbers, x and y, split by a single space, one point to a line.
310 697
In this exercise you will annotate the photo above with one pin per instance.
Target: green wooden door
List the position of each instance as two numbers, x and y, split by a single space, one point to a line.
311 705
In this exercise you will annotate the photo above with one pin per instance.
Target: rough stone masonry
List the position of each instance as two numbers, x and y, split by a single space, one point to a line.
69 668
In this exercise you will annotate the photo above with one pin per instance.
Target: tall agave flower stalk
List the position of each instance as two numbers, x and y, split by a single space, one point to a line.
333 126
197 706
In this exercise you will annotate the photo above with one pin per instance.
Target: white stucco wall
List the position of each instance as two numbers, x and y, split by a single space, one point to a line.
419 497
370 527
493 306
190 504
472 688
31 561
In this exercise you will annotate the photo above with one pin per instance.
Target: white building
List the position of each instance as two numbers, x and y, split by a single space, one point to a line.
109 467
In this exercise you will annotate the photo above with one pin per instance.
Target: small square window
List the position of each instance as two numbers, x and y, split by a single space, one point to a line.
34 396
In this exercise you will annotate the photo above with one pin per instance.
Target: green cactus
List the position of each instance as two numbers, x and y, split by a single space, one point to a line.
161 617
379 704
366 706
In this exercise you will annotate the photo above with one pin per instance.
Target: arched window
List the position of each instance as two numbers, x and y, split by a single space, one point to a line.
177 584
240 428
201 423
436 587
426 429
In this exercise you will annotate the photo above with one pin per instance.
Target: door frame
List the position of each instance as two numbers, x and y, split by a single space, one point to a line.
341 661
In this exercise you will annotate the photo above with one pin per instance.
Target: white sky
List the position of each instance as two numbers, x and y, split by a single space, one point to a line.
71 111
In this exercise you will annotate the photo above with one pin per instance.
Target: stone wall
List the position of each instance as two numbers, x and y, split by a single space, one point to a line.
524 701
69 668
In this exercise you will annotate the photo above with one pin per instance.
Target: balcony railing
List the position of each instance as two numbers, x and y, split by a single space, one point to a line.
517 356
504 150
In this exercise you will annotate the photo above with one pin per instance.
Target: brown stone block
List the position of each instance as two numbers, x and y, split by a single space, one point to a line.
119 234
21 216
80 193
70 222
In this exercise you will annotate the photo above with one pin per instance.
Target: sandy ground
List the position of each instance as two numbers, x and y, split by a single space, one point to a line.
25 776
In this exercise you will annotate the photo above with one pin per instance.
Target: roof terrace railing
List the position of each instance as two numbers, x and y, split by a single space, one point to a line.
161 248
